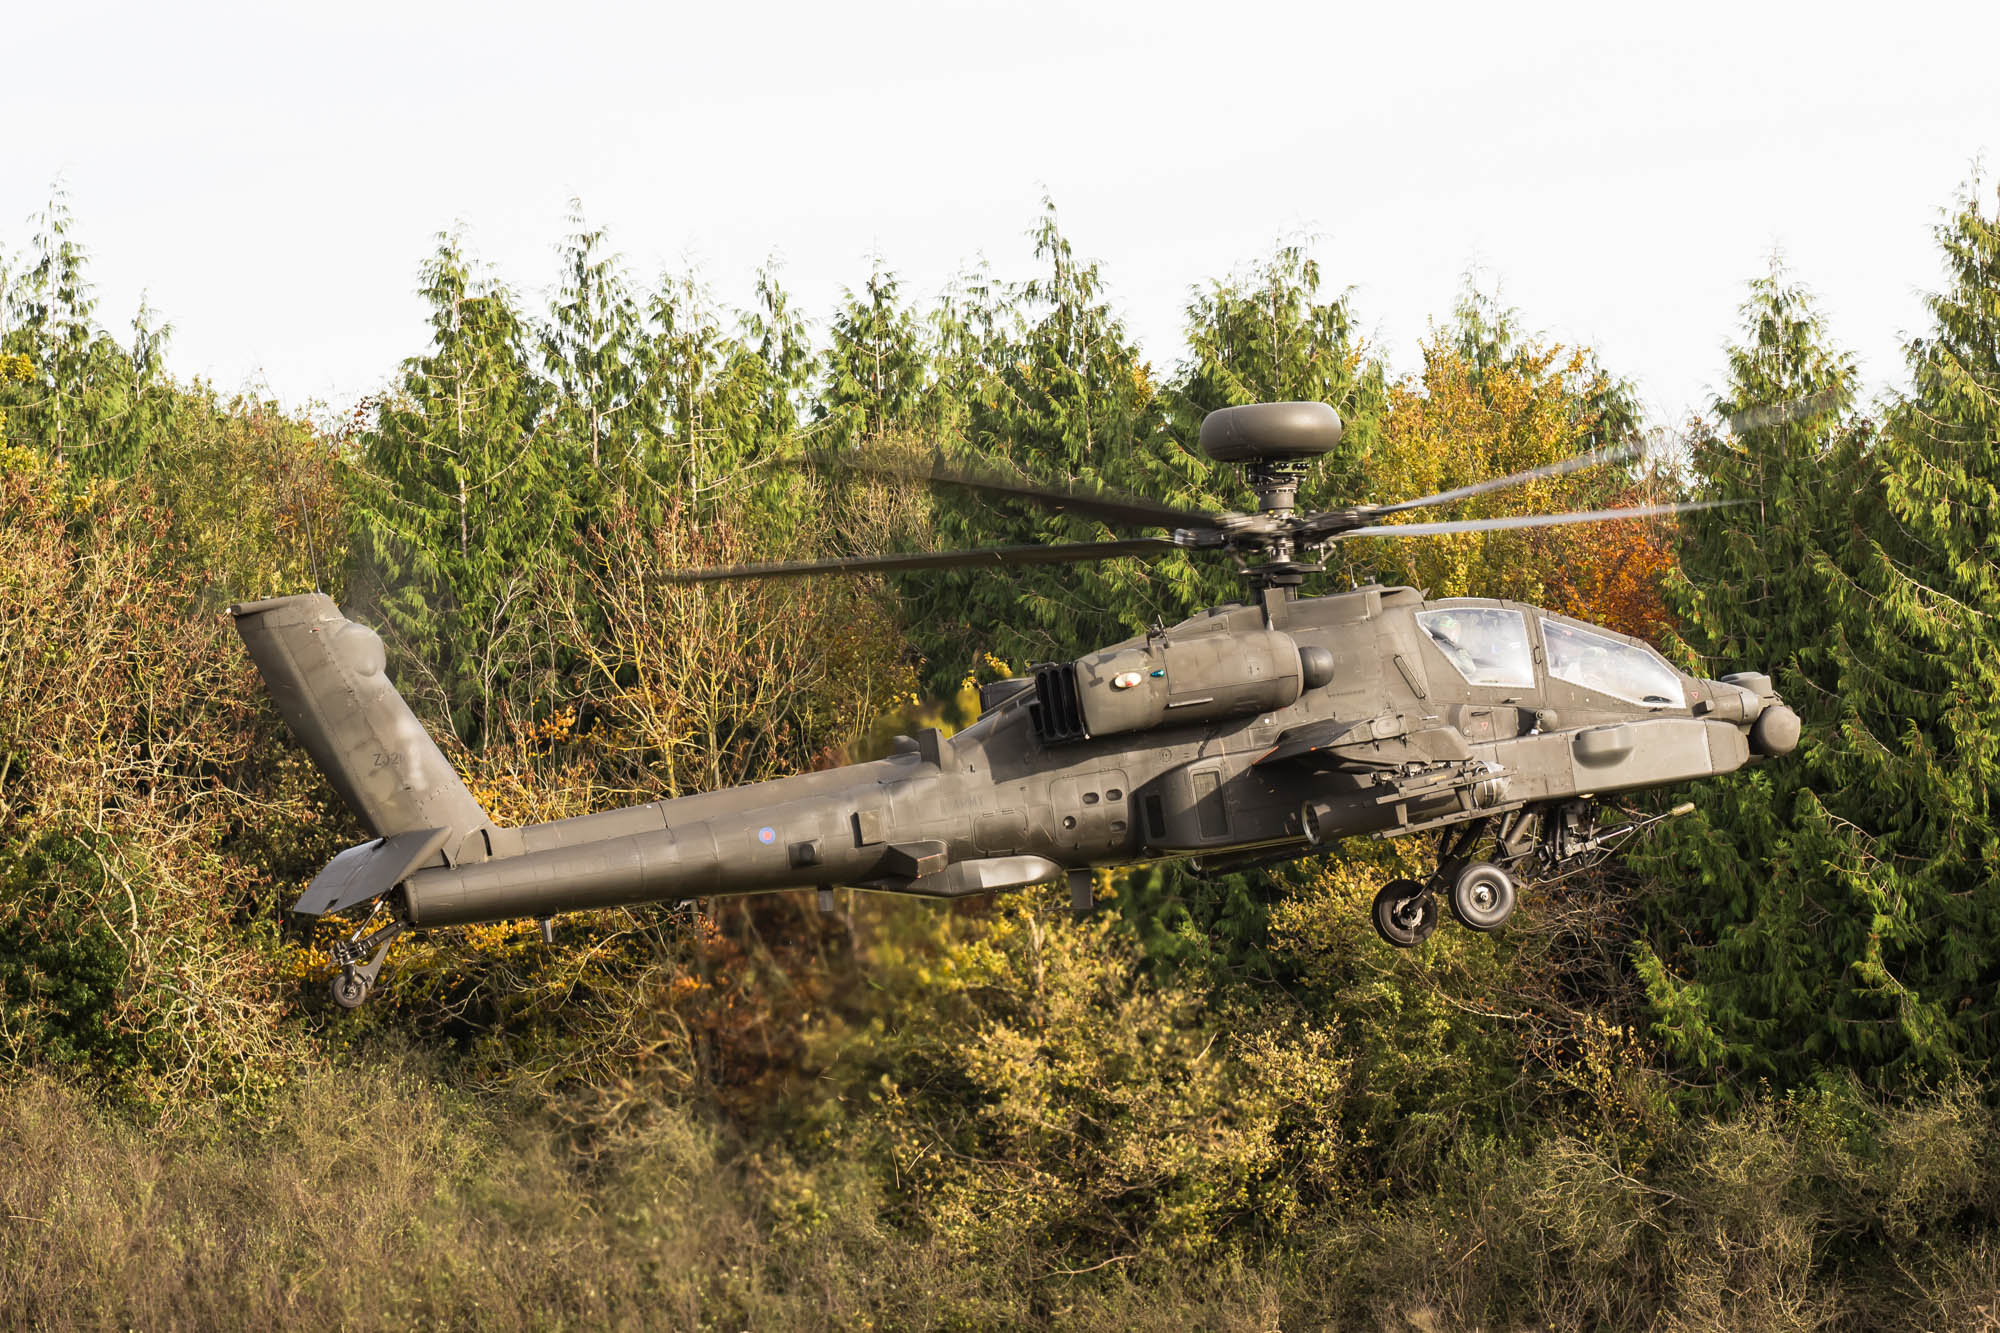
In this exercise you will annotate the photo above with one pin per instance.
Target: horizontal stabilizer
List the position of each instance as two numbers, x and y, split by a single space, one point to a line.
370 870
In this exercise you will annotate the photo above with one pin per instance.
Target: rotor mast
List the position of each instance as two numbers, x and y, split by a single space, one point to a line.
1273 443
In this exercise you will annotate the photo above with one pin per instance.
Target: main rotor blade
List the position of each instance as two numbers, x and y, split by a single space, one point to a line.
1111 507
1063 553
1779 414
1616 454
1530 520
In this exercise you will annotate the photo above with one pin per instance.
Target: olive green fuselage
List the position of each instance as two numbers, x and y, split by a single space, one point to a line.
1396 740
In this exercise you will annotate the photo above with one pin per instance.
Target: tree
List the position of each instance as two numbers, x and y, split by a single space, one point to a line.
1053 389
876 363
1842 901
460 497
1267 335
592 351
80 405
708 386
1469 417
779 339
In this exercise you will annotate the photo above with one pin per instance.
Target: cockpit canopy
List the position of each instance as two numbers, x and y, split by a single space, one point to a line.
1487 644
1490 645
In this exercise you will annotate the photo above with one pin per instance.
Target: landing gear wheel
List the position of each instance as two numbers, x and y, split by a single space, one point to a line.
1405 913
1482 896
349 990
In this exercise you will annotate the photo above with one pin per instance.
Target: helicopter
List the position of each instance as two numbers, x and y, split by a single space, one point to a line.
1257 732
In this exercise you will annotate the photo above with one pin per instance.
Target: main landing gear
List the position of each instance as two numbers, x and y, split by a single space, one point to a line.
1546 841
1481 896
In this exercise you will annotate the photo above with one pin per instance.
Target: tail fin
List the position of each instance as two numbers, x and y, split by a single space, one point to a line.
325 673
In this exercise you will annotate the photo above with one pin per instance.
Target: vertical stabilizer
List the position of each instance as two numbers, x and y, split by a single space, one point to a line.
326 675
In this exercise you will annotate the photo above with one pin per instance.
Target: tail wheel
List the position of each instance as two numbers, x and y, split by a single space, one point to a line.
1482 896
1405 913
348 989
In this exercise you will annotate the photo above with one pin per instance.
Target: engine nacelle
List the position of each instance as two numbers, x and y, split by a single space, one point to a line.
1163 682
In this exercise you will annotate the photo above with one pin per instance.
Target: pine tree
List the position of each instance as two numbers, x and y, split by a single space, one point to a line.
76 409
1052 389
707 384
781 342
461 496
1269 335
593 352
876 364
1838 907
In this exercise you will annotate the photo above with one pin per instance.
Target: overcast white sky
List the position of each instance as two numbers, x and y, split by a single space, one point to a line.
273 175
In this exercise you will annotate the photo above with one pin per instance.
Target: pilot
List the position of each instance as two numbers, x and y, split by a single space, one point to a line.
1444 630
1565 654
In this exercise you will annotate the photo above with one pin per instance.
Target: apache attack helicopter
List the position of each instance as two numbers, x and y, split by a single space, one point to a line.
1257 732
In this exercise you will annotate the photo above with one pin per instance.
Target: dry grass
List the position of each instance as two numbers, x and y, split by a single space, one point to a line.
381 1198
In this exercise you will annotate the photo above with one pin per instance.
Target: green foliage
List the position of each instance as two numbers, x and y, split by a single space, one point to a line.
1839 901
876 364
593 350
76 397
462 498
1223 1105
1038 1093
1267 335
60 965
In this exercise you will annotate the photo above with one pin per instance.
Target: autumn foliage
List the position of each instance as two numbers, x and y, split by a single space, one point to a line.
1741 1080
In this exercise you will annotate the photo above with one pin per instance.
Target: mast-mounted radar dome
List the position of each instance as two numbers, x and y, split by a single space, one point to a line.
1270 432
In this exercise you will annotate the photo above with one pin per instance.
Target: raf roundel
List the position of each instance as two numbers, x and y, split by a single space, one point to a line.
1125 680
767 835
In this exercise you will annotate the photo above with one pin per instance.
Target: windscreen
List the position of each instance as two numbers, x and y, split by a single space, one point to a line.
1595 662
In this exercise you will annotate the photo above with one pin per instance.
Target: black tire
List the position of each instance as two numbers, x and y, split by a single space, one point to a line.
349 990
1482 896
1405 913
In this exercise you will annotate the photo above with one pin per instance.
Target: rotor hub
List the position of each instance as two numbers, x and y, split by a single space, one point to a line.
1270 432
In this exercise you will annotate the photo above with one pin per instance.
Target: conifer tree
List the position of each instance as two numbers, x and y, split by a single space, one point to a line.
460 497
1269 335
781 342
707 385
592 351
76 408
1060 396
875 366
1837 907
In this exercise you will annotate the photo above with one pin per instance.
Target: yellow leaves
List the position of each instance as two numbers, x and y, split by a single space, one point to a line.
91 498
1459 423
20 458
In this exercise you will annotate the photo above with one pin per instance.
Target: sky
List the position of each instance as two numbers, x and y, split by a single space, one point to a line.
271 177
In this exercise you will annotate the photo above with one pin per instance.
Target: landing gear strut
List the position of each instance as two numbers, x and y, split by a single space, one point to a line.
1481 894
355 979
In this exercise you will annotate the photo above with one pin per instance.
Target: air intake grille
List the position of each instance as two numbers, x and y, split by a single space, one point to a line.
1058 714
